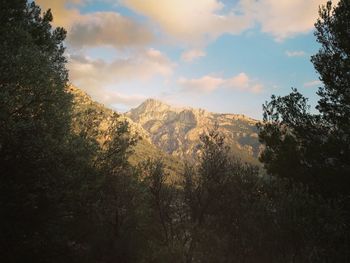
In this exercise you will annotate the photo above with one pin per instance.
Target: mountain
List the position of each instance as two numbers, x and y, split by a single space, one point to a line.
176 131
173 133
143 150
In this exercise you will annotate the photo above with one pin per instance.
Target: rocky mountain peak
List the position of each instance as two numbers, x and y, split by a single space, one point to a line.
152 105
177 130
151 109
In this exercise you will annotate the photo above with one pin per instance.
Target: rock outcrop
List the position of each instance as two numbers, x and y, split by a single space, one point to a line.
177 130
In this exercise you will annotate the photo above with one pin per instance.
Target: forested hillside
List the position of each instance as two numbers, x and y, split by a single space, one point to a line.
79 183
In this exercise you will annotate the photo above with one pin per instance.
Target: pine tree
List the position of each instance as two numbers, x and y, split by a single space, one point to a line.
315 148
34 122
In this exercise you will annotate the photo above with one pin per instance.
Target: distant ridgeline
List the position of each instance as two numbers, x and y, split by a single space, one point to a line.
176 131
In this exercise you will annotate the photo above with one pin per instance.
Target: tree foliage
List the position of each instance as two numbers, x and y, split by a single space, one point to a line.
237 215
59 180
314 148
69 193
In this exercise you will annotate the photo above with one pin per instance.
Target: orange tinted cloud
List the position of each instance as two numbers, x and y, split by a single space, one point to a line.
240 82
97 28
283 18
192 22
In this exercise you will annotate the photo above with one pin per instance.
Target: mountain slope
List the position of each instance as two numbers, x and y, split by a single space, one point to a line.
173 133
177 130
143 150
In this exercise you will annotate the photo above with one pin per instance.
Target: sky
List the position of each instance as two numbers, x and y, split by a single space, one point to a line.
225 56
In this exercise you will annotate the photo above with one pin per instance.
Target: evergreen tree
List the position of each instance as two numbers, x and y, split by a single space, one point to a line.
315 148
34 121
63 179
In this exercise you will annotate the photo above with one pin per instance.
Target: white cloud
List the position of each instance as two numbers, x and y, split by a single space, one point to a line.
97 28
196 22
62 16
283 18
206 83
312 83
93 75
141 66
192 54
108 28
243 83
295 53
191 22
209 83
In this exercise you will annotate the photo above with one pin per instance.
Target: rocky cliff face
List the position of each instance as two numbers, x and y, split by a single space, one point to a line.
86 109
177 130
173 133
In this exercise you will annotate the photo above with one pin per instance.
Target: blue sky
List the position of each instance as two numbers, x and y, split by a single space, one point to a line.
223 56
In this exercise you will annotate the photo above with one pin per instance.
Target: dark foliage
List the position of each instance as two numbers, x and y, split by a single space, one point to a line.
69 194
58 182
315 148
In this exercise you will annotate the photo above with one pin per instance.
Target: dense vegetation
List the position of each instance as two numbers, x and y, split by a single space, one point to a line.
69 193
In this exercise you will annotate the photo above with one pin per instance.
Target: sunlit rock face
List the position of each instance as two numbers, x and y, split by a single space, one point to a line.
144 149
177 130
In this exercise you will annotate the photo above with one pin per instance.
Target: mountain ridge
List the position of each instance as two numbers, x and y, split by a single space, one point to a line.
173 133
162 104
144 148
176 130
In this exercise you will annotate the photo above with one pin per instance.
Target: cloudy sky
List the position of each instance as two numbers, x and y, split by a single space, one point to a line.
220 55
